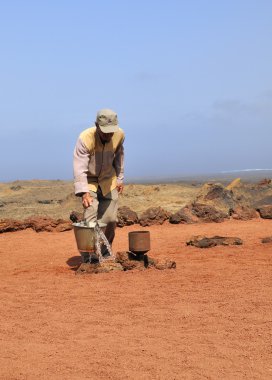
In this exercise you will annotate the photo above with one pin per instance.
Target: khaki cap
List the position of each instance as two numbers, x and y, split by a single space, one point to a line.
107 120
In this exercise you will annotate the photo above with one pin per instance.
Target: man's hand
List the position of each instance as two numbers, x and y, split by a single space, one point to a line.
87 200
120 188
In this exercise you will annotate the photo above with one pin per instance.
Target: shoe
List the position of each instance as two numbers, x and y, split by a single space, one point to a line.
106 255
85 257
93 258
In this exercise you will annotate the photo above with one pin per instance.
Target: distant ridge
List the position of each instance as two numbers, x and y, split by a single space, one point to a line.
250 175
244 170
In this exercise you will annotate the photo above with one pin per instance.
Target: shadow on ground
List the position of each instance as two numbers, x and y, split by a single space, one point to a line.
74 262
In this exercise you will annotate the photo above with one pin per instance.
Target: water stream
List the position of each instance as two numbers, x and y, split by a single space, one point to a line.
100 240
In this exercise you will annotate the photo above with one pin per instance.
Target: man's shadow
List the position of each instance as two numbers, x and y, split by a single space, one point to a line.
74 262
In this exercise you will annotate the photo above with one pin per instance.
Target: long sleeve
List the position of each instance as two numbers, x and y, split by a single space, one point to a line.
118 162
81 163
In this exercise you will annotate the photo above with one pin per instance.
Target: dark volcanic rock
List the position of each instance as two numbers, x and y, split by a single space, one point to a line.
126 217
184 215
217 191
206 242
46 201
265 211
263 201
49 201
153 215
264 182
243 213
267 239
76 217
216 195
16 188
208 213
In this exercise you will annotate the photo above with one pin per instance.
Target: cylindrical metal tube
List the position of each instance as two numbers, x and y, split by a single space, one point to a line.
139 241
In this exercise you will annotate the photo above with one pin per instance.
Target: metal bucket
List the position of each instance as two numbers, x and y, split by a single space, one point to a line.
139 241
85 235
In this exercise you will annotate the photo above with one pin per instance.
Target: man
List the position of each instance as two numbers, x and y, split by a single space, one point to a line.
99 172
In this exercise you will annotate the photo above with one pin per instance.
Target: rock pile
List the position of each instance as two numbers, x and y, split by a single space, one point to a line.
37 223
126 261
216 203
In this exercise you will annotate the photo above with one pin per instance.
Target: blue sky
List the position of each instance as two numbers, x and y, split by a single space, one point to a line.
191 82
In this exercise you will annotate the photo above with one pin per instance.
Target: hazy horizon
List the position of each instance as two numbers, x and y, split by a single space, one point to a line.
245 174
191 82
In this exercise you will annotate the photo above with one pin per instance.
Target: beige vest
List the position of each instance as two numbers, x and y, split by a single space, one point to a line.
101 170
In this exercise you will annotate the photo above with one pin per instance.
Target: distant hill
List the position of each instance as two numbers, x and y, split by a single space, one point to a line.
248 175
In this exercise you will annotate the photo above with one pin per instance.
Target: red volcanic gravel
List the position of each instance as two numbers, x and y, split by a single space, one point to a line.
210 318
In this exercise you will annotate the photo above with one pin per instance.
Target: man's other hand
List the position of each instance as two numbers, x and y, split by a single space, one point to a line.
87 200
120 188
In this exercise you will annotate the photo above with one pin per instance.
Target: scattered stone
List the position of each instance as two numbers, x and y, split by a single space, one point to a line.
50 201
265 211
45 202
184 215
243 213
2 204
206 242
267 239
126 217
209 213
165 264
126 261
153 215
76 217
16 188
264 182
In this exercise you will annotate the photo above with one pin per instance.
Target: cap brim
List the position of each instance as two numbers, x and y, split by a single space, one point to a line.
109 128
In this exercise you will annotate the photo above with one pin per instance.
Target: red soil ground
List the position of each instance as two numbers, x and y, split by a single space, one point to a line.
210 318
